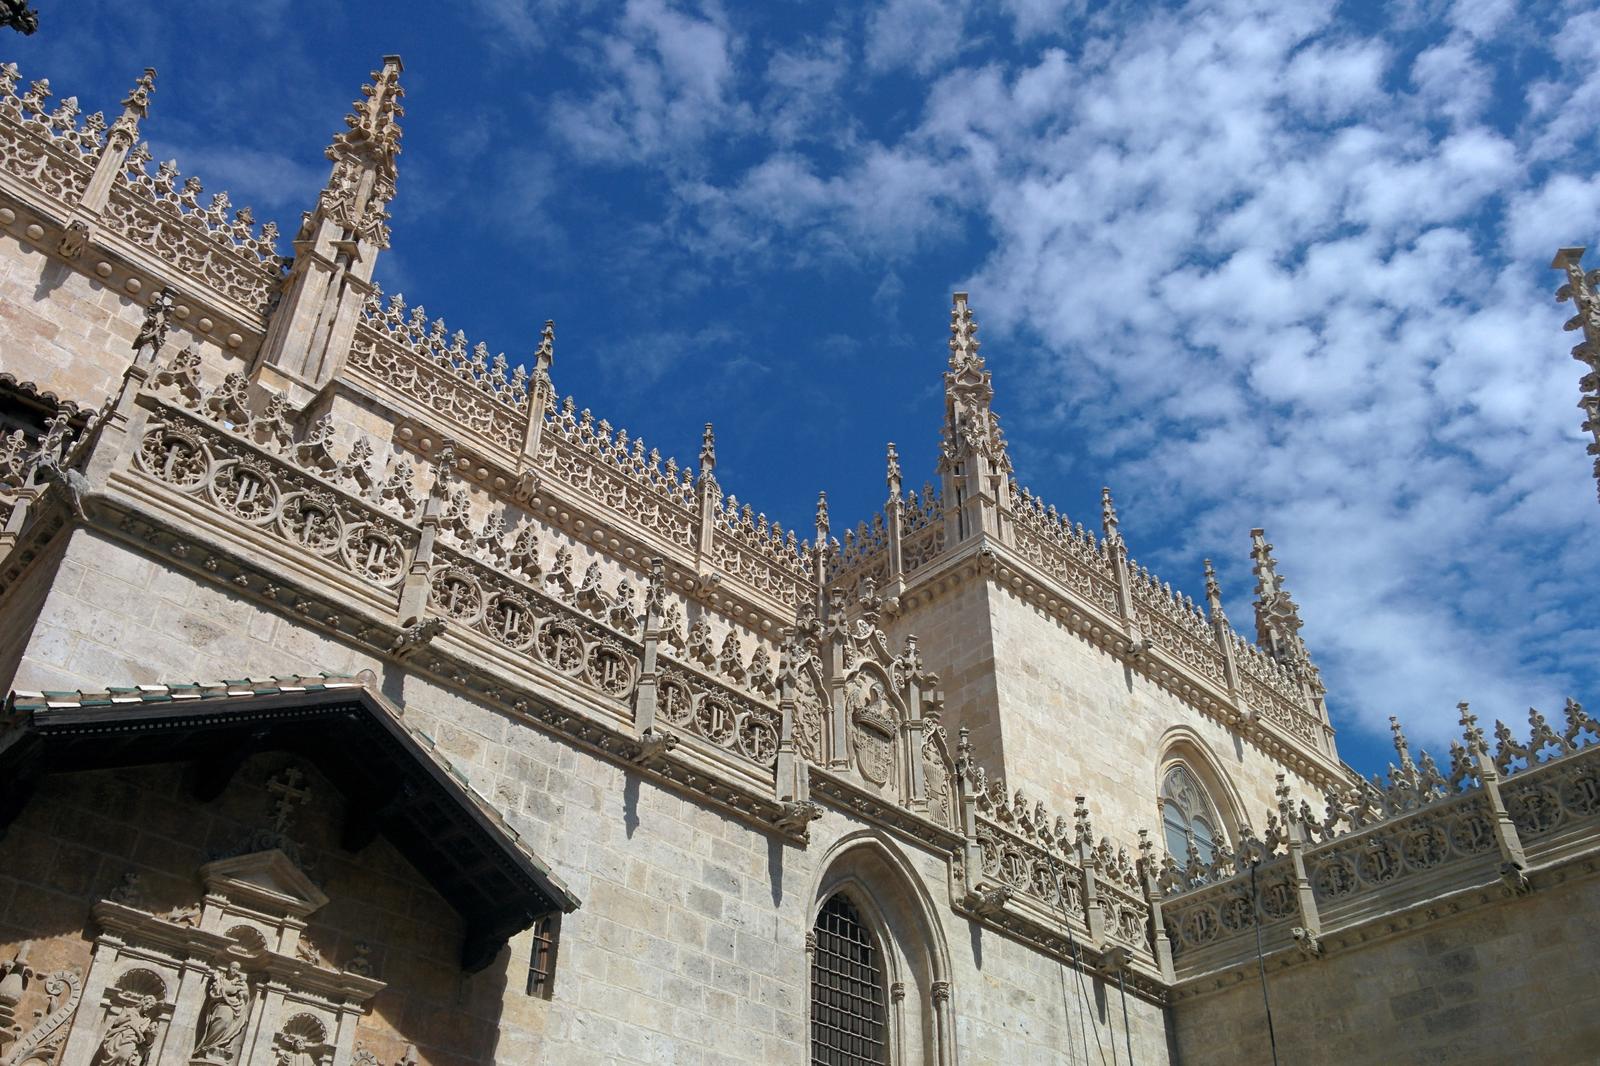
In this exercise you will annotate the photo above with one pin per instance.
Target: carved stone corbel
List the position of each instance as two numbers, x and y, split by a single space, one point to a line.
653 746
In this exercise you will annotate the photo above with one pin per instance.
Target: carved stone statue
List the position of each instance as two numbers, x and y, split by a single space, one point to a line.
128 1034
227 1004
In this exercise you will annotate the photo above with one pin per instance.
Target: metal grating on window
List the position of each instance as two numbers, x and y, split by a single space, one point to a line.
542 961
846 991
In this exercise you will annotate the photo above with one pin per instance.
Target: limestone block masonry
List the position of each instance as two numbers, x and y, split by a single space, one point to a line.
371 704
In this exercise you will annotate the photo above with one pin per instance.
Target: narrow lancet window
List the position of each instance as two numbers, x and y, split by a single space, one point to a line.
847 990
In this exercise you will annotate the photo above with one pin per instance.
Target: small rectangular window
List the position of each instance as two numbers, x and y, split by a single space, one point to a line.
542 958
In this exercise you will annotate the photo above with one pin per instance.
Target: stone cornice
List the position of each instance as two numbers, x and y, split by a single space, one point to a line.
121 266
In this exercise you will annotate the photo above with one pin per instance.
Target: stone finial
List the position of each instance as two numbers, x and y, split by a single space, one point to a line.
138 99
893 477
656 587
1401 748
1580 288
708 452
1108 515
152 333
1277 615
822 518
1213 590
20 16
545 354
1470 731
135 107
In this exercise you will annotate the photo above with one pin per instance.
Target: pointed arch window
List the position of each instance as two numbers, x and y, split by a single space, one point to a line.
1188 815
847 990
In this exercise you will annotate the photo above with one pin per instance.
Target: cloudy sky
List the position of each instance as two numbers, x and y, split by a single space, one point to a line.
1247 262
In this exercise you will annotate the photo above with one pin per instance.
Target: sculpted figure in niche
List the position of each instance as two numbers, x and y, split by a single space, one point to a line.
228 998
128 1034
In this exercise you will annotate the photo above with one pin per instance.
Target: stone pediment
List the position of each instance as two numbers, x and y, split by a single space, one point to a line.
264 881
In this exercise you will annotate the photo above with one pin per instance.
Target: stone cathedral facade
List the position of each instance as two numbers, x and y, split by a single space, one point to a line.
372 704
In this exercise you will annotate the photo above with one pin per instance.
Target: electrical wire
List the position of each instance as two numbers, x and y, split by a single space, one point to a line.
1261 960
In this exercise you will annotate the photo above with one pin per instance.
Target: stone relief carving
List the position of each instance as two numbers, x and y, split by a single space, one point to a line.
872 721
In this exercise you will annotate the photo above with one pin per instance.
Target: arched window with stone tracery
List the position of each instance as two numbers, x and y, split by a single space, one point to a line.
1188 815
848 1017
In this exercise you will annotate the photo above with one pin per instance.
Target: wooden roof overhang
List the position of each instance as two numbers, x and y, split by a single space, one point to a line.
392 781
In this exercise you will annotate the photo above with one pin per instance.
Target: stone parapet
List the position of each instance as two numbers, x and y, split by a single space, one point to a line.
1416 846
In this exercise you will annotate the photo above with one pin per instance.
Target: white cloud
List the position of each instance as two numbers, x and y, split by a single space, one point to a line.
1271 268
665 79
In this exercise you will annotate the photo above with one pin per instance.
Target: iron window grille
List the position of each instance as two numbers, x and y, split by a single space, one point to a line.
847 1015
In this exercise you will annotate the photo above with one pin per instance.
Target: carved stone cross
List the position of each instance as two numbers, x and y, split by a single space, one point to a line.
290 790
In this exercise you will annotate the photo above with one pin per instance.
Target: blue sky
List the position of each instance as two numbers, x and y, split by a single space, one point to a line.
1247 262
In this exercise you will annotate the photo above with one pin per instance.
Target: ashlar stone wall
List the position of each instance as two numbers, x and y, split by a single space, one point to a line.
70 334
689 946
1064 718
1514 982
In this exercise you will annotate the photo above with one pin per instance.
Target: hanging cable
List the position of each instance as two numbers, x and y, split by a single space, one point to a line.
1066 924
1261 960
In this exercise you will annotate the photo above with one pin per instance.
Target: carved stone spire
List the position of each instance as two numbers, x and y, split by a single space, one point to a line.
893 477
972 451
112 160
970 425
1108 516
363 179
545 355
336 249
1581 290
1213 591
1277 615
708 453
135 107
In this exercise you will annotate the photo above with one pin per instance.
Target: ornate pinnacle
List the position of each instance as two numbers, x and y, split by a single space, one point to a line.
371 121
135 106
19 16
1580 289
1277 616
1285 801
894 472
368 147
964 341
1470 731
822 518
1108 515
1213 590
708 452
655 589
137 102
1401 748
545 354
963 751
153 332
